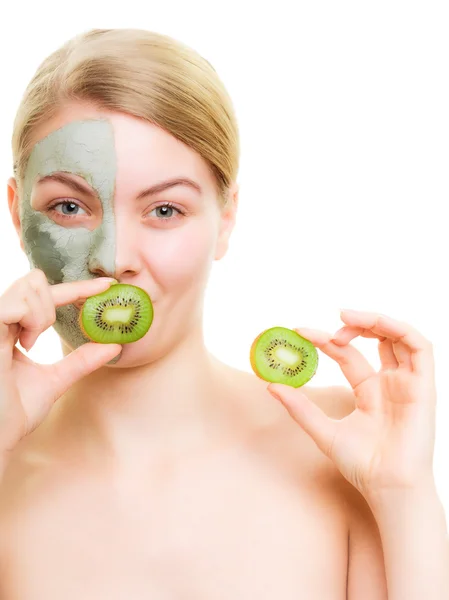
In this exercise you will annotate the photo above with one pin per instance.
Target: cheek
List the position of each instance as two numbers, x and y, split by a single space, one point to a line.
43 254
61 254
184 256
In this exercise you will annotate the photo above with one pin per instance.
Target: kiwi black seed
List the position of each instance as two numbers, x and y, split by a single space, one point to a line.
281 355
121 315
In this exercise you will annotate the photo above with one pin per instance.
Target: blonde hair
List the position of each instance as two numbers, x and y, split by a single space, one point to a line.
142 73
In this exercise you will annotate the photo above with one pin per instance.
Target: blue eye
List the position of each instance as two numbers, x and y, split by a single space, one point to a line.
164 210
71 208
167 207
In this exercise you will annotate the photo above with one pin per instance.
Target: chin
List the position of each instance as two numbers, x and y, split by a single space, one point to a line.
137 354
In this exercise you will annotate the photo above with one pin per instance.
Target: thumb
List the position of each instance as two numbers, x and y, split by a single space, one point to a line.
83 360
321 428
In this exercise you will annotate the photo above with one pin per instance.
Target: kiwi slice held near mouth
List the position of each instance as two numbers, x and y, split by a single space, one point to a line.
121 315
280 355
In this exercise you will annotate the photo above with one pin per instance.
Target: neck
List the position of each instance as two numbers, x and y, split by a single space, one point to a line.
178 402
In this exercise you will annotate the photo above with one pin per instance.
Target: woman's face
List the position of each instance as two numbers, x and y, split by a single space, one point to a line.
88 210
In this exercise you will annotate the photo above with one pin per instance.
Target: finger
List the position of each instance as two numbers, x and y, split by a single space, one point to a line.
79 363
66 293
321 428
353 364
36 278
21 357
33 321
15 331
347 333
420 348
21 305
6 341
15 320
46 299
9 334
390 358
47 311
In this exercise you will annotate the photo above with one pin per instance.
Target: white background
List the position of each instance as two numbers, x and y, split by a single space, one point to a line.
343 112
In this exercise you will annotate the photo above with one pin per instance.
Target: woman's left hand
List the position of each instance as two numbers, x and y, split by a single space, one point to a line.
387 442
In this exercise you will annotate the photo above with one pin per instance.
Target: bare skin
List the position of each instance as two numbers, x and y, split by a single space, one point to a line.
168 475
258 512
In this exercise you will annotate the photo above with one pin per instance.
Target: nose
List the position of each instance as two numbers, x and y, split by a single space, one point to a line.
116 252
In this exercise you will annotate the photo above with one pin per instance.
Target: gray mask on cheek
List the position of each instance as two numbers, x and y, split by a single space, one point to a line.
84 148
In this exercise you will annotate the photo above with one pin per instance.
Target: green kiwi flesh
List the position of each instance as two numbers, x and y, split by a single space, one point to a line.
121 315
281 355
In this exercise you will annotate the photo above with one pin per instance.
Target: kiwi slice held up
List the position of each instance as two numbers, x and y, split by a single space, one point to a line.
120 315
280 355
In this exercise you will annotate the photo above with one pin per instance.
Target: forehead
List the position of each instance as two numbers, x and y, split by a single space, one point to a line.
85 138
85 148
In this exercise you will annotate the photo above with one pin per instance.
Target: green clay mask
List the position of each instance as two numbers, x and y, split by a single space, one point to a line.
84 148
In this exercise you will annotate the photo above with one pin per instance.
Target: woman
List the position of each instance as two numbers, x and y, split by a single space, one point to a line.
153 470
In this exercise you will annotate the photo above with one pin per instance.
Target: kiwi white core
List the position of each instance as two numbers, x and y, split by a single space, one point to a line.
286 356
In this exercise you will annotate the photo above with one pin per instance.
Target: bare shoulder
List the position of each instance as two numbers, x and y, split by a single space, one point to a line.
277 429
336 402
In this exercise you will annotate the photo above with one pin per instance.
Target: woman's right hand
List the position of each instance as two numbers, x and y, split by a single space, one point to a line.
28 389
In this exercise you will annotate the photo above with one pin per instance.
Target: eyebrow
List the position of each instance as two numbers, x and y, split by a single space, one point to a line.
151 191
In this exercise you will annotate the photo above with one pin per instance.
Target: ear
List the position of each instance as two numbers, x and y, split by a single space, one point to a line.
227 221
13 203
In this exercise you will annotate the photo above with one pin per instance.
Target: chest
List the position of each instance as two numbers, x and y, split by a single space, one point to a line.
212 534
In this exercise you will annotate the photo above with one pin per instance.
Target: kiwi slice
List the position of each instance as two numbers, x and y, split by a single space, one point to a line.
120 315
280 355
